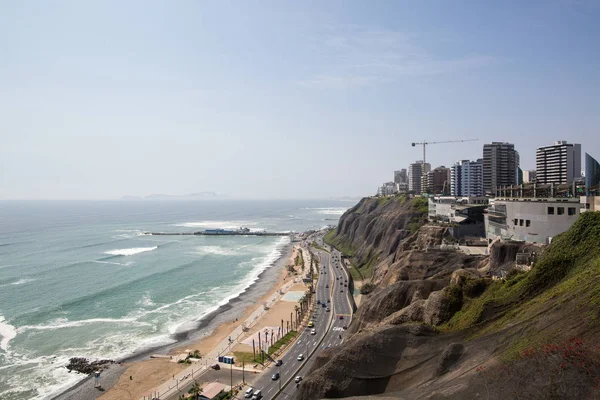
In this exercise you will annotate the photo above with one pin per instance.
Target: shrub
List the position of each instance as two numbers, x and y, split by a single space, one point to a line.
367 288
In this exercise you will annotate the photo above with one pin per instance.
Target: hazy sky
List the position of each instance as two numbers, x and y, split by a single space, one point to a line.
282 98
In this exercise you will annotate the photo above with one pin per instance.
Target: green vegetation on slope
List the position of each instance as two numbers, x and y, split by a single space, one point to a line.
568 271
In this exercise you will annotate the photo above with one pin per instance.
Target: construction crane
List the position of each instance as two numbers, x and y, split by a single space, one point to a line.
444 141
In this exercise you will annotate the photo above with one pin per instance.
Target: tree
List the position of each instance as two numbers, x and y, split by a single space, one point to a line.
195 390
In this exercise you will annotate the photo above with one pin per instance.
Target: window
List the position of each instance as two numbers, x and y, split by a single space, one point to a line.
560 210
515 221
572 211
550 210
520 222
527 223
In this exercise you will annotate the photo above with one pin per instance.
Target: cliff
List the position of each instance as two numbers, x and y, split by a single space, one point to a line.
436 327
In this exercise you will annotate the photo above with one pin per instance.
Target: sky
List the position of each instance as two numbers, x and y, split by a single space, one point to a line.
282 99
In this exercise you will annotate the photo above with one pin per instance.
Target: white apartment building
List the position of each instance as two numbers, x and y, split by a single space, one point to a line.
558 163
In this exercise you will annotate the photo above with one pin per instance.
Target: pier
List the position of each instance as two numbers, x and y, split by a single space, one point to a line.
205 233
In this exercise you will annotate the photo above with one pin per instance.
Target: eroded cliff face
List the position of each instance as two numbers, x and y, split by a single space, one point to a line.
434 321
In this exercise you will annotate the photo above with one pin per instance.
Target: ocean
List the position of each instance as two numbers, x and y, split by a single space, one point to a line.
80 279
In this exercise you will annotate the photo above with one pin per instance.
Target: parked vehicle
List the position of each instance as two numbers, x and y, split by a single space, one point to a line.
248 393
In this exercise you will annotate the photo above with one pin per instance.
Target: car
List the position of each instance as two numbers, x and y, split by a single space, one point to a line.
300 357
344 327
280 362
328 309
341 317
248 393
341 290
313 332
345 285
337 277
328 300
298 379
327 286
323 304
275 376
318 301
311 324
216 367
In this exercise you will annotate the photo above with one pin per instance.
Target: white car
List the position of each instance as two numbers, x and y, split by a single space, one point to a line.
298 379
313 332
300 357
249 393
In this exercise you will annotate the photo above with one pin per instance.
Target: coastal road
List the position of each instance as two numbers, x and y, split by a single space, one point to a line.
305 342
223 376
335 336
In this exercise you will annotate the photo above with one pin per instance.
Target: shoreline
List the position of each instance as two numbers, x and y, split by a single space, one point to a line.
225 318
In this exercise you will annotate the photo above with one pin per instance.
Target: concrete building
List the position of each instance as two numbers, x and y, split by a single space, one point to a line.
466 178
401 176
535 220
529 176
558 163
438 181
592 176
465 214
500 164
387 189
415 176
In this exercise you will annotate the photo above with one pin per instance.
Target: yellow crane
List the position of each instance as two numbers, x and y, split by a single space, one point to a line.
424 144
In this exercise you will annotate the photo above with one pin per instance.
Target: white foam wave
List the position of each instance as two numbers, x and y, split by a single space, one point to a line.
146 300
128 233
61 323
7 332
215 250
217 224
329 210
130 252
23 281
111 263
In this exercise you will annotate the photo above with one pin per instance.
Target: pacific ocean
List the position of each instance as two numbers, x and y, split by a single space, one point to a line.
80 278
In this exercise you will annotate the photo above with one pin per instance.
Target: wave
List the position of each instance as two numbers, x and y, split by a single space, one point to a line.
128 233
216 224
61 323
215 250
18 282
329 210
7 332
130 252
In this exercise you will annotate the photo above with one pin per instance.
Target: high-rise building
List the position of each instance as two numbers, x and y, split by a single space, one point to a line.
558 163
415 176
529 176
500 165
466 178
592 175
438 181
401 176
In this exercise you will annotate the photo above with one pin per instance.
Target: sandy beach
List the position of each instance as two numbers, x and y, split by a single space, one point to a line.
148 373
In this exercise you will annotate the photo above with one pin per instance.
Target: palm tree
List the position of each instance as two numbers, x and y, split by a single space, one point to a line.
195 390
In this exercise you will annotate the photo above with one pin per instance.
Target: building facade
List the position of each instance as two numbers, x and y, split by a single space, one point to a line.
592 175
438 181
401 176
500 165
529 176
466 178
415 176
558 163
535 220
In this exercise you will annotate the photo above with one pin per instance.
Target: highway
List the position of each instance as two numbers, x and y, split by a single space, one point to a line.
305 342
335 336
